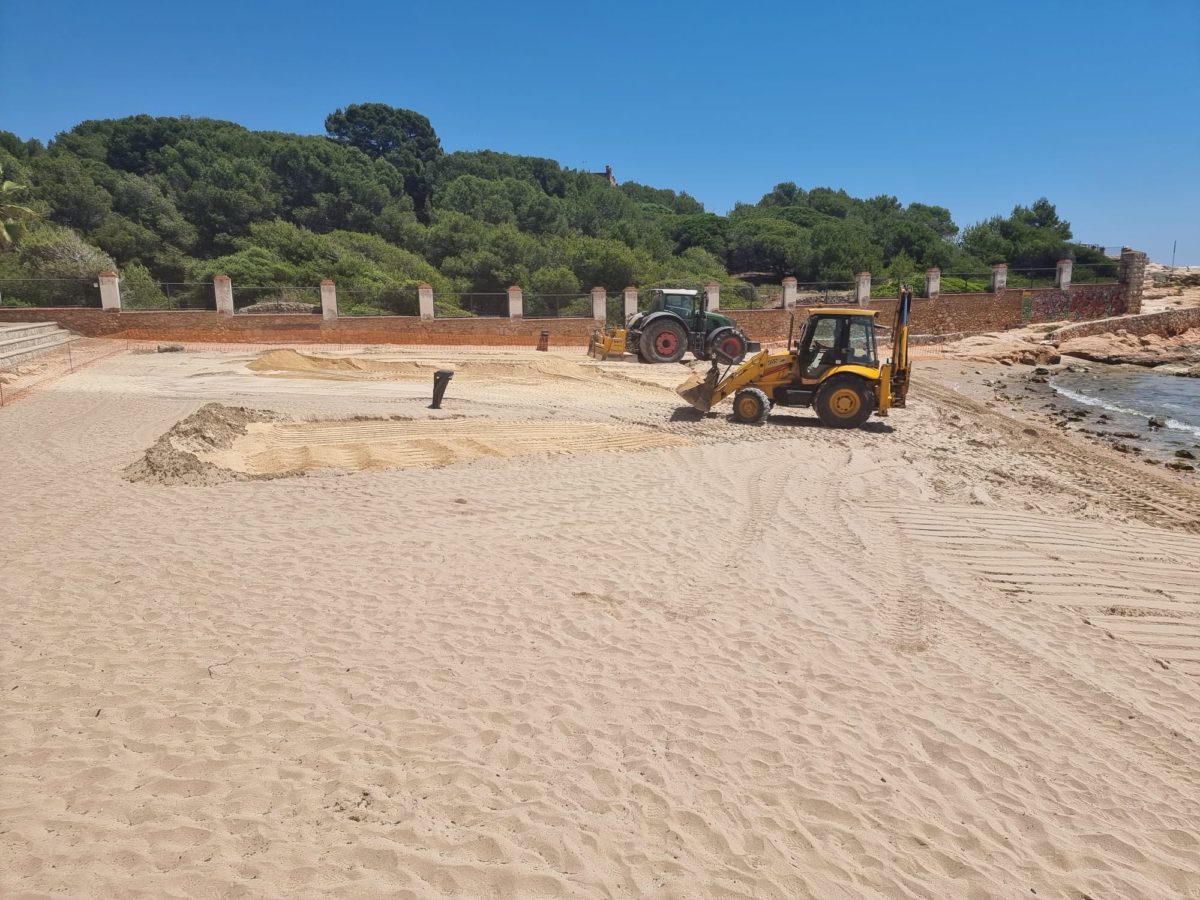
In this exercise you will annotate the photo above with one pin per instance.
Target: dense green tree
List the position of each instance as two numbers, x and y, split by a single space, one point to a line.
13 216
1032 237
376 205
404 138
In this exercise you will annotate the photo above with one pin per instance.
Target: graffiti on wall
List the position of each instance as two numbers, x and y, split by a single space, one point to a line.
1079 302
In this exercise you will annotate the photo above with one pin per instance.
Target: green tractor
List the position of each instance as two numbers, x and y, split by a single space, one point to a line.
676 321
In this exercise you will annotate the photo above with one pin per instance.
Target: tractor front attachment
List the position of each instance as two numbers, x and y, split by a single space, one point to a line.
604 344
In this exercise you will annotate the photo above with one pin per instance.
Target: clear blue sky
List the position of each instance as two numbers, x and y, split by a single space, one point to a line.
972 106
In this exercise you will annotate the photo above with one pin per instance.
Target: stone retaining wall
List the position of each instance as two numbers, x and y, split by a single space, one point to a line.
1165 324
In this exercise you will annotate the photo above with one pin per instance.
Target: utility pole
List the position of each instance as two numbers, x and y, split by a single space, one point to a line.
1174 244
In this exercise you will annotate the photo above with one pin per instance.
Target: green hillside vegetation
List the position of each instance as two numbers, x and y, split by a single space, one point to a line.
377 206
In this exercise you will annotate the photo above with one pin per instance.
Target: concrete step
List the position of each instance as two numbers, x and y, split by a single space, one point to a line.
29 342
16 351
26 329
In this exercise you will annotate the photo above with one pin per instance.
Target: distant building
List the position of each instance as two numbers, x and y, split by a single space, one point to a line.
608 176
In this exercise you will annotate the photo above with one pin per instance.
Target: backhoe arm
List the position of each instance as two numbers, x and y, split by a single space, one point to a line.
897 372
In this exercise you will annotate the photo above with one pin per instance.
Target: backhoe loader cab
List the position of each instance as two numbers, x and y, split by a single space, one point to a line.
834 367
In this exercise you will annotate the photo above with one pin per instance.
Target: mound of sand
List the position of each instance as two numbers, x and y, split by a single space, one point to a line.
281 448
224 443
175 458
533 369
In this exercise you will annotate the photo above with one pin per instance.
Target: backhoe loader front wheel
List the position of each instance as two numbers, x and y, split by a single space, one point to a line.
844 401
664 342
751 406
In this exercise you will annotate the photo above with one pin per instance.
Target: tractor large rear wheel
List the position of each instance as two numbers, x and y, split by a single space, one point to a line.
845 401
664 341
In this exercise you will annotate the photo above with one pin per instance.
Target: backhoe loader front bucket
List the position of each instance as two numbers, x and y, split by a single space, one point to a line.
698 389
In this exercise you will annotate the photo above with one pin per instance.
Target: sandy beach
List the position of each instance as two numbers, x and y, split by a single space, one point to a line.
562 638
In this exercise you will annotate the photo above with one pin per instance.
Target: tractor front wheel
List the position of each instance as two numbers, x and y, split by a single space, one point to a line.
751 406
845 401
664 342
728 345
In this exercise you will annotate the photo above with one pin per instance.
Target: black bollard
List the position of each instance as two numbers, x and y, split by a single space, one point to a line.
441 378
544 341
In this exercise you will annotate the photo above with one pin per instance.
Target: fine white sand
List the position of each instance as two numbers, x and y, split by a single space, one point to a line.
597 647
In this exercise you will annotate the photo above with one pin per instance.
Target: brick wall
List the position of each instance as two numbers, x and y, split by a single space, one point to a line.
207 325
946 314
1080 301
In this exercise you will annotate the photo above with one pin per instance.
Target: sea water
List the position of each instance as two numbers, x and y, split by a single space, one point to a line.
1131 396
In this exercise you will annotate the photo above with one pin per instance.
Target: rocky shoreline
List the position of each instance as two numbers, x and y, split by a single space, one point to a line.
1178 355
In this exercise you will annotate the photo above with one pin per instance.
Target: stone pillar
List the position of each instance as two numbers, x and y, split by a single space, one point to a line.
933 282
999 278
425 300
223 288
789 292
862 288
712 291
110 291
1062 278
328 300
599 304
630 302
516 303
1132 278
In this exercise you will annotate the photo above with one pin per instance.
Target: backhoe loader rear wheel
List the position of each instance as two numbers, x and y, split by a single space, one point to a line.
664 342
751 406
844 401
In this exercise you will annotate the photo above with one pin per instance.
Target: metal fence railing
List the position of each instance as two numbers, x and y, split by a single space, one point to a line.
487 305
276 299
825 293
22 378
557 306
49 292
391 301
143 296
742 296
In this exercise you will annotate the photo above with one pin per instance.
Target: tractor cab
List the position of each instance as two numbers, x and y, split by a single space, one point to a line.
684 303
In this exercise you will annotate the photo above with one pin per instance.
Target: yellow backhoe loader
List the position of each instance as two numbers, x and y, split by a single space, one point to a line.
834 367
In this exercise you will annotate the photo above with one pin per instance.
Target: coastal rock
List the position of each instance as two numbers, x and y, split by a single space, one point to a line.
1180 466
1185 454
1156 422
1152 350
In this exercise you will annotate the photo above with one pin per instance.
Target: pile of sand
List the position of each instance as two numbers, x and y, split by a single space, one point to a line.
175 458
223 443
533 369
283 448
